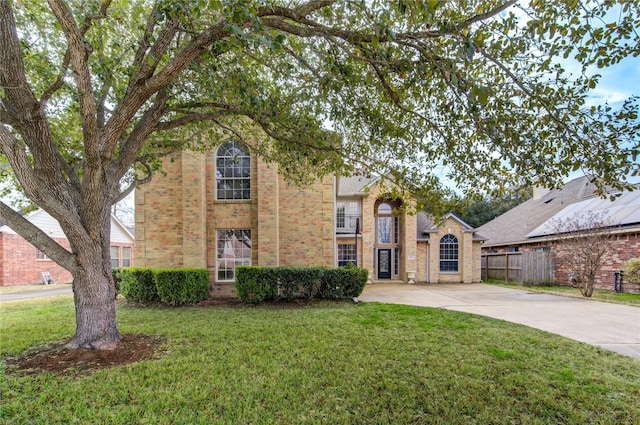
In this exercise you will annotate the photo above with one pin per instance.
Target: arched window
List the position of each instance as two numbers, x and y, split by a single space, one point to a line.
385 223
385 209
233 171
449 253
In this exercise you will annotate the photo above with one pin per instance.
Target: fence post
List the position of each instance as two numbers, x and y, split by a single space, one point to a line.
506 267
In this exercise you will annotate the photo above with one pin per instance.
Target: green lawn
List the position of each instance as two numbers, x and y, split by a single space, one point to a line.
598 294
326 363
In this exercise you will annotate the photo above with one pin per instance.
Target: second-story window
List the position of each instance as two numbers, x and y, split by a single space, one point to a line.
233 172
347 214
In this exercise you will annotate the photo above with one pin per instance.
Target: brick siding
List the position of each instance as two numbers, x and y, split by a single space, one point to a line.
177 217
20 265
623 247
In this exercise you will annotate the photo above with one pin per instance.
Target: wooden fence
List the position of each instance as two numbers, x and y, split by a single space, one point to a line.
529 268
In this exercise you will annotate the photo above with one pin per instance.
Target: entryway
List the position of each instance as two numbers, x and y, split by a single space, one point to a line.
384 264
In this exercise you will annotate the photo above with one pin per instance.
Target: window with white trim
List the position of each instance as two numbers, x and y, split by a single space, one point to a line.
233 172
449 254
347 214
115 256
233 249
126 256
346 254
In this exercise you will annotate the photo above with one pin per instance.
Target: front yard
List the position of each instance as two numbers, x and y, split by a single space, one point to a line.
325 363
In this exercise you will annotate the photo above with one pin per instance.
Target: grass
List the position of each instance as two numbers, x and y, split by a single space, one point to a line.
332 363
598 294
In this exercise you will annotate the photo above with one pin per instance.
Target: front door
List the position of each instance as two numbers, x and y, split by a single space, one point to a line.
384 264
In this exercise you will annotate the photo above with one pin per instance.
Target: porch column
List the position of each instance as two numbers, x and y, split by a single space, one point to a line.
410 246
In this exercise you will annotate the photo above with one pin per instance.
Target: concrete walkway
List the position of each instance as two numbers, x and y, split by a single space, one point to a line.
614 327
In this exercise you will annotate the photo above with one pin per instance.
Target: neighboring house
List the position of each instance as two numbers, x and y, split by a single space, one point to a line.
21 263
227 208
530 226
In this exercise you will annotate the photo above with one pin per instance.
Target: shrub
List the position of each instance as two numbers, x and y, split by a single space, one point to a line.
182 286
137 285
297 282
116 273
255 284
343 282
632 271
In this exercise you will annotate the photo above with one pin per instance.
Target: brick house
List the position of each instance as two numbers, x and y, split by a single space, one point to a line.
22 263
531 227
227 207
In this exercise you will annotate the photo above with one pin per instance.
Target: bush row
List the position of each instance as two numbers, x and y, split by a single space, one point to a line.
169 286
255 284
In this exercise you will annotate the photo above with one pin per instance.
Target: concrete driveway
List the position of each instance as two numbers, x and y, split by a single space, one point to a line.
614 327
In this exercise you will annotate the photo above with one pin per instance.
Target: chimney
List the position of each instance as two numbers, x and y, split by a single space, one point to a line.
539 191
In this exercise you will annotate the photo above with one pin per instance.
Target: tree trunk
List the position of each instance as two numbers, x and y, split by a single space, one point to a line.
94 298
587 287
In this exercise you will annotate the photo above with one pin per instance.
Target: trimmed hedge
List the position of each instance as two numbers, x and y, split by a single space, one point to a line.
137 285
170 286
182 286
343 282
255 284
116 273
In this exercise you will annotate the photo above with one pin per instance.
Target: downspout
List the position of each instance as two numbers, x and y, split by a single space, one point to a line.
428 262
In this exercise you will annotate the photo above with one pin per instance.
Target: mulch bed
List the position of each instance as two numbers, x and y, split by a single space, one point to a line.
56 359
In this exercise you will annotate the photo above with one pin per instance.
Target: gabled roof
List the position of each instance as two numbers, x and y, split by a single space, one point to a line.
355 185
46 223
425 225
622 211
524 222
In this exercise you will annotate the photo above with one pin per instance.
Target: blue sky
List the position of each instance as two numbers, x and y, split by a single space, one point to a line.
618 82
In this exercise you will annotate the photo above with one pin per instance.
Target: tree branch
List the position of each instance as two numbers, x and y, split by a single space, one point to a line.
130 147
489 14
37 237
59 82
135 183
79 54
312 6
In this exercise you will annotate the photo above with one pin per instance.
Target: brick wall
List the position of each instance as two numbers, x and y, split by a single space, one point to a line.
158 217
306 226
468 255
20 265
623 248
177 217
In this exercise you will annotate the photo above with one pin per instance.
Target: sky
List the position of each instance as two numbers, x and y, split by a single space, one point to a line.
617 84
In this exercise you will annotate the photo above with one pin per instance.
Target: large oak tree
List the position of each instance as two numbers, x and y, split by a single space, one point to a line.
94 92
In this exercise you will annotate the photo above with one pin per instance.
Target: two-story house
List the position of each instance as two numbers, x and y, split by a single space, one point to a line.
227 207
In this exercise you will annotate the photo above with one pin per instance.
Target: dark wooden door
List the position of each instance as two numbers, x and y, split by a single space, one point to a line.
384 264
